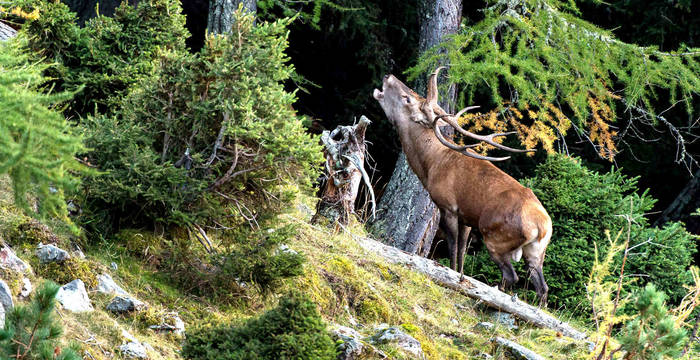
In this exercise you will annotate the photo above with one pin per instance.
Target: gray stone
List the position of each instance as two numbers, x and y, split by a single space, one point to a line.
113 266
128 337
171 323
6 303
6 296
516 350
133 350
123 304
505 319
352 345
105 285
26 288
74 297
51 253
284 249
10 261
485 325
394 335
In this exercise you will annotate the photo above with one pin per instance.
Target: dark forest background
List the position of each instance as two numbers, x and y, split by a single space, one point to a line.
343 54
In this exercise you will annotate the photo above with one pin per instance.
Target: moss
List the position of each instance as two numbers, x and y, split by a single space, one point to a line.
141 243
69 270
373 310
13 279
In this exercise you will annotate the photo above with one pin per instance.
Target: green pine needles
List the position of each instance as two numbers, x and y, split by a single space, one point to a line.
32 332
545 71
37 145
292 330
652 334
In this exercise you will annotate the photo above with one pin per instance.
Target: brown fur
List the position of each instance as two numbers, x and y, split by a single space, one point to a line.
469 192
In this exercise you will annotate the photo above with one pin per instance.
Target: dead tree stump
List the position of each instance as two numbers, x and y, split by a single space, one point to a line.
344 150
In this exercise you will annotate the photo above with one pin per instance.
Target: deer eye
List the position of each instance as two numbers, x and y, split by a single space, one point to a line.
406 99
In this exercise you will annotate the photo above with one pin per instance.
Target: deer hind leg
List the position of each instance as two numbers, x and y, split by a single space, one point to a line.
450 223
509 276
534 254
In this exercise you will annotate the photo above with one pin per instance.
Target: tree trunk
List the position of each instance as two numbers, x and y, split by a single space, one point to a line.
221 14
344 150
406 217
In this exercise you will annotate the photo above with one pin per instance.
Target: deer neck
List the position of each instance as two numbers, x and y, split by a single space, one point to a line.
421 147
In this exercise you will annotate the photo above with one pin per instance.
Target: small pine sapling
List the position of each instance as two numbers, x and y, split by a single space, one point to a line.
652 333
32 332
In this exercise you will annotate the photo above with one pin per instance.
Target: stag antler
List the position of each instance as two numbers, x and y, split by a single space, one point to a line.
431 102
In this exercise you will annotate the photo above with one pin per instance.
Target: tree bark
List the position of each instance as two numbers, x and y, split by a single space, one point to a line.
221 12
344 150
406 217
472 288
6 31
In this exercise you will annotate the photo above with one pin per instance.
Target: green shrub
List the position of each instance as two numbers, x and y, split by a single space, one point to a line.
107 56
583 204
211 136
292 330
259 258
33 332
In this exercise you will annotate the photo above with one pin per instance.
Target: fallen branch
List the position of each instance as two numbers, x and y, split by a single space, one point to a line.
471 287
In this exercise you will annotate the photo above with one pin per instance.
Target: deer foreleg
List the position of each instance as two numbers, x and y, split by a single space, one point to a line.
450 224
464 232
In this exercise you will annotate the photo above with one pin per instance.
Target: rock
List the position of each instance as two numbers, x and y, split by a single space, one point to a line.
113 266
516 350
6 303
484 355
10 261
123 304
51 253
386 334
171 323
26 288
485 325
105 285
74 297
128 337
504 319
284 249
133 350
6 296
352 346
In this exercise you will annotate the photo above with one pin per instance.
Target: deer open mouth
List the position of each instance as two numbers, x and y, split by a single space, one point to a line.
378 94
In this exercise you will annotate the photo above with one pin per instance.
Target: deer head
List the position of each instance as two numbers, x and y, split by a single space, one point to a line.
404 106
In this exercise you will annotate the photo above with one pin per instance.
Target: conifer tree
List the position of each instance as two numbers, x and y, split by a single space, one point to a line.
652 333
545 71
37 145
32 332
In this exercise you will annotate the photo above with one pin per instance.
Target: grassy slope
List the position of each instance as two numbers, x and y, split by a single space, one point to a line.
349 285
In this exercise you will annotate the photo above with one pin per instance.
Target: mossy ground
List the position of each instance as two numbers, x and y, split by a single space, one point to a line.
350 286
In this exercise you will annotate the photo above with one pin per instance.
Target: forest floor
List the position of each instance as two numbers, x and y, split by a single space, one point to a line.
351 287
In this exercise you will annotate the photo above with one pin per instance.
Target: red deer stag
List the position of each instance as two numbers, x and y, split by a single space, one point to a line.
469 190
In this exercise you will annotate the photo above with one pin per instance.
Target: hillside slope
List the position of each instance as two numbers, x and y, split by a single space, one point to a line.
352 288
